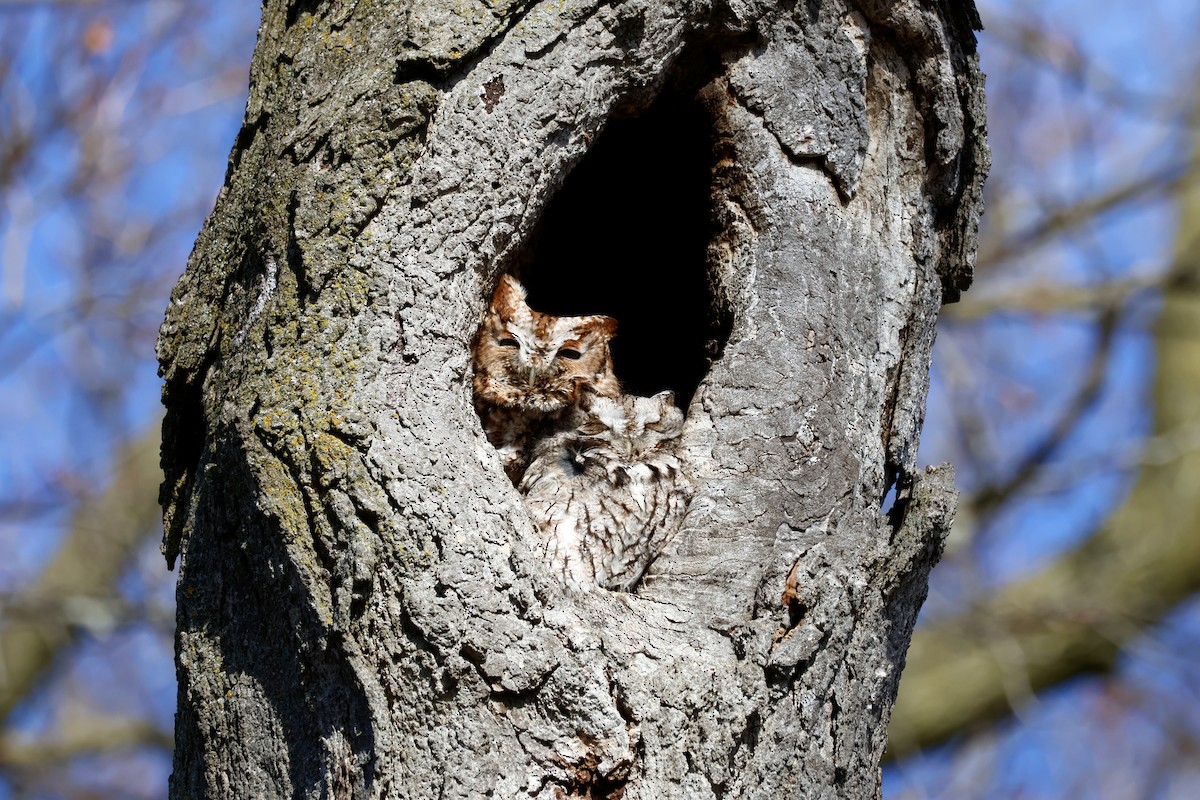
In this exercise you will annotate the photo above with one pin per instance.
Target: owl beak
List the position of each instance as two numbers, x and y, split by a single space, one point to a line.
538 367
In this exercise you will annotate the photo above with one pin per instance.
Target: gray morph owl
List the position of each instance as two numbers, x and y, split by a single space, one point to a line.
606 490
532 368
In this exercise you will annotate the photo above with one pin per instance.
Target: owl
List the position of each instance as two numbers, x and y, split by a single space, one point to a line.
606 490
532 368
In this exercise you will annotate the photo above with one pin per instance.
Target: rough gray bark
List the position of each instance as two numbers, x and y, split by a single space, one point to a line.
359 614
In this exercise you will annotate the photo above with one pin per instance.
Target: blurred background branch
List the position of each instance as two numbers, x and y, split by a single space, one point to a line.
1070 390
1075 614
116 119
77 589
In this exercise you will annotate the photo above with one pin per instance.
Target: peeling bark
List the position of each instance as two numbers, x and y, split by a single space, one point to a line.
359 612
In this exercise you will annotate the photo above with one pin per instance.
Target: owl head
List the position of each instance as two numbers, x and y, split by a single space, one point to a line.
532 361
627 430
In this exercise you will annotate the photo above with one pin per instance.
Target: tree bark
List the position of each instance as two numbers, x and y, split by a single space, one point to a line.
360 614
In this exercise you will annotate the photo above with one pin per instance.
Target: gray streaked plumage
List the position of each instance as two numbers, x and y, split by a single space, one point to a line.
606 491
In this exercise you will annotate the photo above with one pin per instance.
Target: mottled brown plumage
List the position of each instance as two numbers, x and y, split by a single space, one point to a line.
531 368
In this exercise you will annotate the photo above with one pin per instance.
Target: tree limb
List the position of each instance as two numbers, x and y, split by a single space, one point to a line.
104 533
79 740
1074 616
1068 218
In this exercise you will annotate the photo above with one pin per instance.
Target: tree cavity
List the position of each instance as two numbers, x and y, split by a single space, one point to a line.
628 236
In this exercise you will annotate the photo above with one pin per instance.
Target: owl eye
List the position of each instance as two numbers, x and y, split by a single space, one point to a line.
508 342
567 352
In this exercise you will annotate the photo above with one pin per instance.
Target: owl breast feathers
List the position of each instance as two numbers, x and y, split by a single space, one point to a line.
607 491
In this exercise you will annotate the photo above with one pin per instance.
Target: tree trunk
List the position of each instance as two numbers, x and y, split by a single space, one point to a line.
360 613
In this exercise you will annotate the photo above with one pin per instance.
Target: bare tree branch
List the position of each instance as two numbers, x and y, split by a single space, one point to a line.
1044 297
1066 219
104 533
989 497
79 740
1059 53
1074 616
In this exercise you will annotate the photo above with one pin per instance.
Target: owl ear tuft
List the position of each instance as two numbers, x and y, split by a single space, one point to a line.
598 323
509 299
665 398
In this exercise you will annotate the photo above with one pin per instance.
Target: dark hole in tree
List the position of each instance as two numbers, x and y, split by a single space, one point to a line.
627 236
